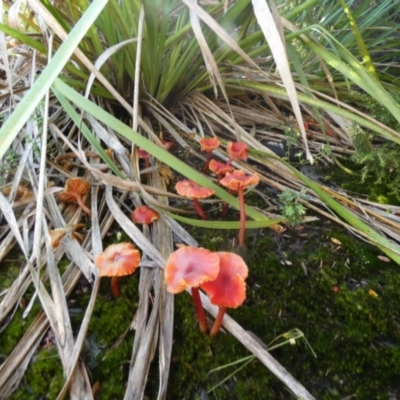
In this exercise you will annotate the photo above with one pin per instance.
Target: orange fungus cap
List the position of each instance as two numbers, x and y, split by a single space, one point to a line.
192 190
209 144
228 289
219 168
73 188
118 260
190 267
239 180
237 150
144 215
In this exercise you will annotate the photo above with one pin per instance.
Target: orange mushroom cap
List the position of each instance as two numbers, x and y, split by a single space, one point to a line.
219 168
209 144
118 260
144 215
238 179
73 188
190 267
228 289
192 190
237 150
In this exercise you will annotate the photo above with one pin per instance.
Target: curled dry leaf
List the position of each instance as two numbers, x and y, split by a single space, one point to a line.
57 234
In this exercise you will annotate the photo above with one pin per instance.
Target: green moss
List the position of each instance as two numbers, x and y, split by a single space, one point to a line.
354 334
44 367
299 279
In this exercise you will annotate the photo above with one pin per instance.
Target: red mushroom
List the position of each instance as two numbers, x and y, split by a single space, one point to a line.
219 168
238 181
117 260
208 145
189 267
237 151
74 189
144 215
228 289
194 191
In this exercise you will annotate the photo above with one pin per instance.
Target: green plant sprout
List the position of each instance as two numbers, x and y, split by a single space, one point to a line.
292 210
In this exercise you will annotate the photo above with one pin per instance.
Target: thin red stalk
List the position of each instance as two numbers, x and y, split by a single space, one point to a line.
226 206
82 205
201 315
208 159
242 229
218 321
114 286
199 210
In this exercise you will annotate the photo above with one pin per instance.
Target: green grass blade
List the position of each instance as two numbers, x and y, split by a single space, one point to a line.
25 108
360 41
353 70
223 224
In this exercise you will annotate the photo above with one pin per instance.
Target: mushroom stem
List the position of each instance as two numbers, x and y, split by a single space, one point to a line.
83 206
226 206
218 321
114 287
242 228
201 316
199 210
205 169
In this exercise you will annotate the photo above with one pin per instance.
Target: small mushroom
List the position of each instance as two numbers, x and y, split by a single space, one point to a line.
194 191
117 260
228 289
144 215
238 181
189 267
74 189
237 151
208 145
220 168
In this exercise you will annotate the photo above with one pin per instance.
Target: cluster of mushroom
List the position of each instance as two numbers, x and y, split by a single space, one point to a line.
221 275
234 180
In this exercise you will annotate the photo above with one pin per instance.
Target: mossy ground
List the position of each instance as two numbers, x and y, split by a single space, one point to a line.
299 279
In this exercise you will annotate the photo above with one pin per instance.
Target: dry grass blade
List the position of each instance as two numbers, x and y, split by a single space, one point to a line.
159 325
274 39
6 209
80 339
132 231
162 236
